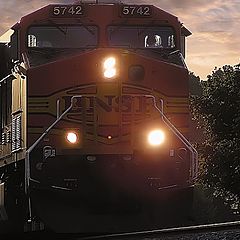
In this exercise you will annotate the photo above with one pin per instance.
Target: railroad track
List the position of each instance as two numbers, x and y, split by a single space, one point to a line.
159 234
217 231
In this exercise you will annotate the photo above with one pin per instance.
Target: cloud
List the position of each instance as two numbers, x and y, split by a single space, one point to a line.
215 39
11 11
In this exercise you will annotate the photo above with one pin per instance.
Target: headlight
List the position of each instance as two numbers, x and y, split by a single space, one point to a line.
156 137
72 137
109 66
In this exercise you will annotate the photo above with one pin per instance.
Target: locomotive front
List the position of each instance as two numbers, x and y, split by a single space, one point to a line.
107 108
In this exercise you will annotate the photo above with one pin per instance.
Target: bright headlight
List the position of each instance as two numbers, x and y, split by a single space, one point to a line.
109 73
156 137
72 137
109 66
109 63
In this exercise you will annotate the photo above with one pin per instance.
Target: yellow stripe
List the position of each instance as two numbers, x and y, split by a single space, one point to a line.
38 105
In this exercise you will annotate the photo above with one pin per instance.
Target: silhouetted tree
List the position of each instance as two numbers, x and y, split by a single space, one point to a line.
195 86
217 112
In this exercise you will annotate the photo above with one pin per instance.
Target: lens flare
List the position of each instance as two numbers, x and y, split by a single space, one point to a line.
109 67
72 137
109 73
156 137
109 63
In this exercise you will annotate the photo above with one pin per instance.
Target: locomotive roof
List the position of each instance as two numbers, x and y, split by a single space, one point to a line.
43 13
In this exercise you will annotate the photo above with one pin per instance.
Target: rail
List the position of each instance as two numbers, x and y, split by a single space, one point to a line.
159 232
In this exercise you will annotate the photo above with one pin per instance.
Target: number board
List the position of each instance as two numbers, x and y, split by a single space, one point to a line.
136 11
67 11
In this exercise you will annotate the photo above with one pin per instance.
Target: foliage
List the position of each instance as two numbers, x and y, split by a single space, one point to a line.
195 87
217 112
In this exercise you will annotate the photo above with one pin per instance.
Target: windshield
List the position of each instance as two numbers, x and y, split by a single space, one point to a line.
49 43
62 37
141 37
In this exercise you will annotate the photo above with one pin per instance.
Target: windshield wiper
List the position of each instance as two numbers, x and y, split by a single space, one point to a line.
86 27
179 53
58 27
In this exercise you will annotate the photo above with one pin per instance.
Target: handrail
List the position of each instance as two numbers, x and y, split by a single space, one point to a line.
29 150
6 78
183 139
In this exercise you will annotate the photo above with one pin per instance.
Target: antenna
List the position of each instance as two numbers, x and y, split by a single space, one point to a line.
97 1
108 1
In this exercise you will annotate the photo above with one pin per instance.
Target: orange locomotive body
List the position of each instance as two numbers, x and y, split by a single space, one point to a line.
96 111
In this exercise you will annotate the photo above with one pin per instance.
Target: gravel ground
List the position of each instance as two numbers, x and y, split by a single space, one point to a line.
231 234
217 235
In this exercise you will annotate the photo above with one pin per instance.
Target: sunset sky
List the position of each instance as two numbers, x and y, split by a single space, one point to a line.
215 27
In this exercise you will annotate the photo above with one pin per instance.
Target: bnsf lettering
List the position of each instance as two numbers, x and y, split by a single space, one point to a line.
125 104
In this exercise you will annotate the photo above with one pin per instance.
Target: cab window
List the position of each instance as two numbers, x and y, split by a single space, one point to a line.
141 37
49 43
62 37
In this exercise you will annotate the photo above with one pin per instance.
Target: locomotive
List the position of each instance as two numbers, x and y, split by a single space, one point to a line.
94 113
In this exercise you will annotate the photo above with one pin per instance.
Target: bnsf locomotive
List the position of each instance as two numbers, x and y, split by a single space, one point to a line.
94 113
